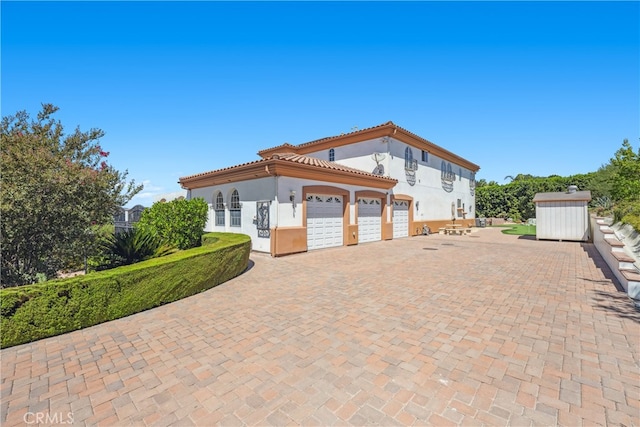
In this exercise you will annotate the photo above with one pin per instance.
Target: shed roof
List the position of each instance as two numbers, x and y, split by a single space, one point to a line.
561 196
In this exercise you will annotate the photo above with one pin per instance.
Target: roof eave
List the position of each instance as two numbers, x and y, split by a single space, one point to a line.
279 167
389 129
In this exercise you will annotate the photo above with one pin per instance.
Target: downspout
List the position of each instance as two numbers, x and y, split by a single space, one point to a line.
274 236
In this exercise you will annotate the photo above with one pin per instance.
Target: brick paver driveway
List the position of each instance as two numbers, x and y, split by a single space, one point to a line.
440 330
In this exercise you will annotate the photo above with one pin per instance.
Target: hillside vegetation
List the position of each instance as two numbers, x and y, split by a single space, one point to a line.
615 191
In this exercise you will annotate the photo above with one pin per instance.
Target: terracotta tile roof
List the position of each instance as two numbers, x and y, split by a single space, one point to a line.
285 146
389 123
293 158
389 128
229 168
312 161
289 146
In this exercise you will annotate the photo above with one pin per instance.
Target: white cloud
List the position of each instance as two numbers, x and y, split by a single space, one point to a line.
152 193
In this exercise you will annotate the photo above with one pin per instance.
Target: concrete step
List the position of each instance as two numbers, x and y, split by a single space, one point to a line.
625 262
616 245
633 284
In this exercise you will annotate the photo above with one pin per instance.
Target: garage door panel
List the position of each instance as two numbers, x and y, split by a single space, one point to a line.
324 221
400 218
369 220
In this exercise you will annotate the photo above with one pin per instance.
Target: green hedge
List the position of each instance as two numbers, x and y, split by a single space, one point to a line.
33 312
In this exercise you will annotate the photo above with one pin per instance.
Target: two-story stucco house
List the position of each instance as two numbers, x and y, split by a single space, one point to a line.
373 184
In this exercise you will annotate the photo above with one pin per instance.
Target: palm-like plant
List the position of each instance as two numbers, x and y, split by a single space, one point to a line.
129 247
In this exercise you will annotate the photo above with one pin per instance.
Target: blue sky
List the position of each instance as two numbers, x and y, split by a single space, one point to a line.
180 88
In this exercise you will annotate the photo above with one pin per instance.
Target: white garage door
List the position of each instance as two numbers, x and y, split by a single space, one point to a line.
324 221
369 224
400 218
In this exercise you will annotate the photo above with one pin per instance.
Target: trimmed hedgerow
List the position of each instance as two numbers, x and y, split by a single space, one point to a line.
33 312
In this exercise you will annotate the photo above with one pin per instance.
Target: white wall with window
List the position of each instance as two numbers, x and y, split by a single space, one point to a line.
357 155
434 194
244 195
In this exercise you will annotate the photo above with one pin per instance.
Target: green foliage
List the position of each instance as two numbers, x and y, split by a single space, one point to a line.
33 312
628 213
179 223
515 199
601 186
626 179
130 246
55 187
603 205
615 187
483 183
89 246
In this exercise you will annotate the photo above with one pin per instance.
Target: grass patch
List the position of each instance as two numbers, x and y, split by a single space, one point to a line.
518 229
33 312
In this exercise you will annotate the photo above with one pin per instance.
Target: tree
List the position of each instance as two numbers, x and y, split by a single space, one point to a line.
625 186
626 178
179 223
515 199
55 188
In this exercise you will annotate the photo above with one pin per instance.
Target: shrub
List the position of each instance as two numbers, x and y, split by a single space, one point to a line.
33 312
179 223
129 247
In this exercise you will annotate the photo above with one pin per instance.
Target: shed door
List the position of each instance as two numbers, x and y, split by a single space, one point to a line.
400 218
369 221
324 221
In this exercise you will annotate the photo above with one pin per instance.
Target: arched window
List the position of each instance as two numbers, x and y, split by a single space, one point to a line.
235 209
332 155
219 208
408 158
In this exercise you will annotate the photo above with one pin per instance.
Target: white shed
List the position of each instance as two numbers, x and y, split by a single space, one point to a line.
563 215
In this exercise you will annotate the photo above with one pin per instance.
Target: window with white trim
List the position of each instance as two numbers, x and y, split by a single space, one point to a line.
425 156
332 155
219 209
235 209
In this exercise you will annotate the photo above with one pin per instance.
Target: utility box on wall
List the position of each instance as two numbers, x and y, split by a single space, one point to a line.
563 215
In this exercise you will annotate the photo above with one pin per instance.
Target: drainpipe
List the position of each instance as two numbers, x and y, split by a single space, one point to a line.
266 168
277 203
274 235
